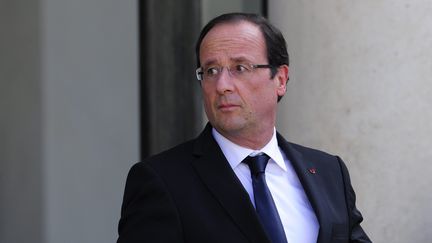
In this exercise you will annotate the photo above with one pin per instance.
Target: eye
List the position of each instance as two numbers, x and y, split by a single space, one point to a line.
211 71
241 68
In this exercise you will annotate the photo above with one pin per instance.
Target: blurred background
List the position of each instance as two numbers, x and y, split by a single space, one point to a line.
88 88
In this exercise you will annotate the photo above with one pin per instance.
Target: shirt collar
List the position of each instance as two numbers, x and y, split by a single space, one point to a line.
235 153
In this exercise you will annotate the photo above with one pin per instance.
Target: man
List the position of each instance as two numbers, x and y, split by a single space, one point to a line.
240 181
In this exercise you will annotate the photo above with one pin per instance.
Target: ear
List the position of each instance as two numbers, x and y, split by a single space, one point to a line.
281 79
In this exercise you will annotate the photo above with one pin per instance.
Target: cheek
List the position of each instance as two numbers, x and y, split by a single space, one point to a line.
207 99
264 96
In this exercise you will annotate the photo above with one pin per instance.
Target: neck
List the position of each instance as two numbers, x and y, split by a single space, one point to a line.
256 140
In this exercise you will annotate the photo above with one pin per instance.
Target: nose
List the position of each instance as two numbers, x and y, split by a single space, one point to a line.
225 82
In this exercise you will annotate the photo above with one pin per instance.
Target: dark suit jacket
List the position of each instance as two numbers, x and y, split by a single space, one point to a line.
190 194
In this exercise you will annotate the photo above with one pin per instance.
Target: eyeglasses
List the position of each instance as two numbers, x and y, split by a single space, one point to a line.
240 71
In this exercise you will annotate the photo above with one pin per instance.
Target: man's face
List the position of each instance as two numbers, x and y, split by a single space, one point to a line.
234 106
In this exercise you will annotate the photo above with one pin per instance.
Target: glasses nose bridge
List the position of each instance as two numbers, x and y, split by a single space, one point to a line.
228 69
224 81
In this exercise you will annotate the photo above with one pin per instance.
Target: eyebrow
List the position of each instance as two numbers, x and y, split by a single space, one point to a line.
239 59
209 62
234 60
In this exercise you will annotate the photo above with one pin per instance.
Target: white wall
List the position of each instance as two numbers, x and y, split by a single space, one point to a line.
361 87
72 127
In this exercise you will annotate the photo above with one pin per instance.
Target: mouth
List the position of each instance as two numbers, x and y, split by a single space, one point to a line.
227 107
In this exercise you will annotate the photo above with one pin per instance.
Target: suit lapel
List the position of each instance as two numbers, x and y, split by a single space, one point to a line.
311 181
216 173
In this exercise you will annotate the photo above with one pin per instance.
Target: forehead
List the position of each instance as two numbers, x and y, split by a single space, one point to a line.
233 41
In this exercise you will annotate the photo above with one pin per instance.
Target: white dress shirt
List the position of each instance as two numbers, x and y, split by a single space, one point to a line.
296 213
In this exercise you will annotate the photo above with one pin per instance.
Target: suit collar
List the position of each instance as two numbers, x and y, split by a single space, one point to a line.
311 181
216 173
235 153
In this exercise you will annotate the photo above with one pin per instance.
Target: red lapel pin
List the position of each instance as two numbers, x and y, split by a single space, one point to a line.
312 170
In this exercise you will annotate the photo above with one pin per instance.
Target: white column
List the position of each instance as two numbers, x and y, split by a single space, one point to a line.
91 130
361 87
21 178
69 118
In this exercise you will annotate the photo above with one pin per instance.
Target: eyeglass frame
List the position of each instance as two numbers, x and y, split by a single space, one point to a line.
200 70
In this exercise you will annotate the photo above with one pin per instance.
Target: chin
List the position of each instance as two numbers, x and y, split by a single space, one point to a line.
231 126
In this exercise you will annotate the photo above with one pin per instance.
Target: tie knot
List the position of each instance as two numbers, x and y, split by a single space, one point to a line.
257 164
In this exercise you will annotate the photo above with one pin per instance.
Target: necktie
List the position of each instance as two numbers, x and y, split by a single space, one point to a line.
264 204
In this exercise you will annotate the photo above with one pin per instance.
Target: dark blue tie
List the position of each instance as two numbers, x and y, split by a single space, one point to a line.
264 204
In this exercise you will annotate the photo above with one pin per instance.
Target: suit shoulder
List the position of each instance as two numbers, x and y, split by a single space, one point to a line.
170 157
319 157
311 151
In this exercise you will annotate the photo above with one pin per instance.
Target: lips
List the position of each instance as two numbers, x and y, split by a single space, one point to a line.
227 107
